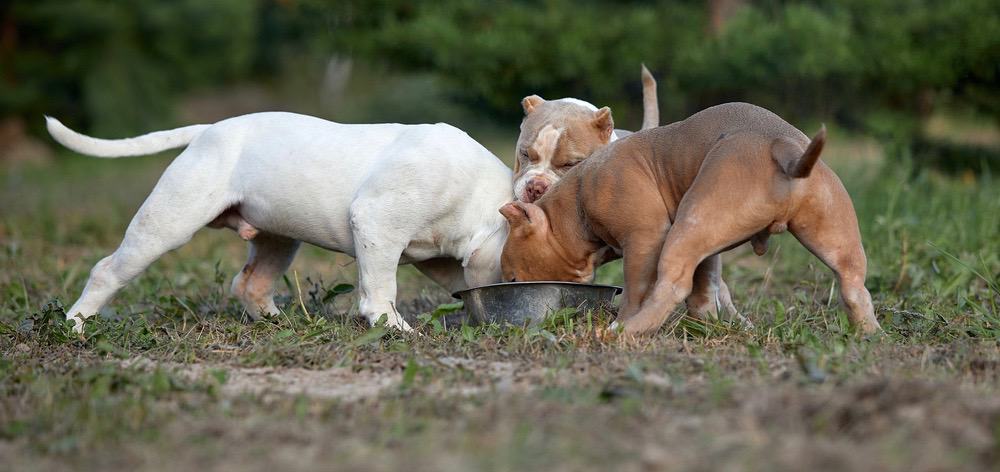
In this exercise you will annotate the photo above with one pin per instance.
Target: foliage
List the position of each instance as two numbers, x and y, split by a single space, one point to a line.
117 67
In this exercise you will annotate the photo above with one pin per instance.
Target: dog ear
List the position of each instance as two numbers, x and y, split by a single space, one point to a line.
526 216
604 123
516 214
530 102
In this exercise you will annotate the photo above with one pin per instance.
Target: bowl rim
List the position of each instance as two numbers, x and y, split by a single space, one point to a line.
458 294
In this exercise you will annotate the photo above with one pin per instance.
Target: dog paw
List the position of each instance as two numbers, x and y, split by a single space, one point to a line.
77 323
395 321
608 333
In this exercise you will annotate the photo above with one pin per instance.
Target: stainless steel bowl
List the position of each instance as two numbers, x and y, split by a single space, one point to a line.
523 303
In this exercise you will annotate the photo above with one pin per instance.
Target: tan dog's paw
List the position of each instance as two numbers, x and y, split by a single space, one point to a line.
617 332
606 334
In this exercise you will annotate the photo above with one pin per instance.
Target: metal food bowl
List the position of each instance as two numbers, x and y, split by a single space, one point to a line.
524 303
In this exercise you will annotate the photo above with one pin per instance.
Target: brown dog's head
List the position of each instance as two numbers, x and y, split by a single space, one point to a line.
533 253
555 136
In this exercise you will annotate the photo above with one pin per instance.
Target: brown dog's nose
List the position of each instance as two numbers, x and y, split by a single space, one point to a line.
535 189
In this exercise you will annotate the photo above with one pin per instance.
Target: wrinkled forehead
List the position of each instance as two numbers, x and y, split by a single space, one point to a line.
562 114
546 141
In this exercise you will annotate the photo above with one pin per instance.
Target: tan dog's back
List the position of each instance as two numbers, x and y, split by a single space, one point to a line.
674 154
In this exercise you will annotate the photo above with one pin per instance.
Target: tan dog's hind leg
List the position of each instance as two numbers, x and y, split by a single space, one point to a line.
684 249
269 258
827 225
698 232
641 249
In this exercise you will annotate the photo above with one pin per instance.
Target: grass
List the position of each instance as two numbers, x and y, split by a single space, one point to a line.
173 376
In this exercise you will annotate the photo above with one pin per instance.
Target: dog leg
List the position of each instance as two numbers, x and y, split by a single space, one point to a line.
377 255
726 299
683 251
827 225
639 254
167 219
710 294
698 233
269 258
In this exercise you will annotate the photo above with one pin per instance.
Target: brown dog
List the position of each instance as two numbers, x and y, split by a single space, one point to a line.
670 198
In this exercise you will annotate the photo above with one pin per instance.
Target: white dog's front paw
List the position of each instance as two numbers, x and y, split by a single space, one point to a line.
77 323
391 321
399 323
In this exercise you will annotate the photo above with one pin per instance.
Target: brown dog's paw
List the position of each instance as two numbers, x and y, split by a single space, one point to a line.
617 333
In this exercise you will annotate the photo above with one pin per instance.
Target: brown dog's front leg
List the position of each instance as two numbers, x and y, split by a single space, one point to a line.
640 253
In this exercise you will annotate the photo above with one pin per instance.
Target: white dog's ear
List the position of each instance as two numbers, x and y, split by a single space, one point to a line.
530 102
604 123
526 216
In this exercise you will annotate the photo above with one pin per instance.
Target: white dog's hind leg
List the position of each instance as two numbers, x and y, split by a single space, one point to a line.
140 247
173 212
269 258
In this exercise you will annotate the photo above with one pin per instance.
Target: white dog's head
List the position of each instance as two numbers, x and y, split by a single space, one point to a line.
555 136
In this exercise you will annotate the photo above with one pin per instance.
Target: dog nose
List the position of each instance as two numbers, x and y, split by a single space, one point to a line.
535 189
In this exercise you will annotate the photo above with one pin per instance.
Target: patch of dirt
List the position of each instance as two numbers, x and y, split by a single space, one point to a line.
340 383
348 384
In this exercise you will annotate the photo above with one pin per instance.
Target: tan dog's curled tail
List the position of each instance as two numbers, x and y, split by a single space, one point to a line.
795 163
650 105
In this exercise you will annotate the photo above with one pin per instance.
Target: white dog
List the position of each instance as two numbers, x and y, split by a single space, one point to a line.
386 194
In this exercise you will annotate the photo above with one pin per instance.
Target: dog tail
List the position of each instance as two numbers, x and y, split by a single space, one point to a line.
151 143
796 165
650 106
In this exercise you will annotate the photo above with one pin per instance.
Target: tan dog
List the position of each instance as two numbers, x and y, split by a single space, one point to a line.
670 198
558 134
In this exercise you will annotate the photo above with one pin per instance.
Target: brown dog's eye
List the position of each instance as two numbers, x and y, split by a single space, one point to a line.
570 164
513 279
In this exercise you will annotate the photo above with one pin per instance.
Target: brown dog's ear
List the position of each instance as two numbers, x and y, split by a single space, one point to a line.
526 216
530 102
604 123
516 214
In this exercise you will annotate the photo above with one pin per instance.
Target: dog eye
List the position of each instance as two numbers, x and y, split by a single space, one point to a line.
570 164
513 279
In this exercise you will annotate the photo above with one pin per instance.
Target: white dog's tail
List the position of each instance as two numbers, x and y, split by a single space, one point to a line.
151 143
650 105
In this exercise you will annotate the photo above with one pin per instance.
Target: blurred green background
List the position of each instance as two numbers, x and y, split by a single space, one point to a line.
889 69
